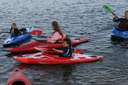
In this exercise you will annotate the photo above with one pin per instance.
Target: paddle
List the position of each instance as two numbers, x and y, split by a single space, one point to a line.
109 9
36 32
33 32
4 32
79 51
44 49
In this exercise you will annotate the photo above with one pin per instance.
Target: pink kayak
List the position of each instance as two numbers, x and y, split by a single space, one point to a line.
43 58
30 47
18 78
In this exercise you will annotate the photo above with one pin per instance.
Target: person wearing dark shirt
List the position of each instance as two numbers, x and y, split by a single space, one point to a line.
122 23
14 30
66 50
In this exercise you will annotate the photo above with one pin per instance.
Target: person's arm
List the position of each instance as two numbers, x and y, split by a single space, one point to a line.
11 31
116 19
57 51
119 19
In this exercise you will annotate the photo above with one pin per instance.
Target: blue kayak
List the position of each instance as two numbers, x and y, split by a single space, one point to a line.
14 41
123 35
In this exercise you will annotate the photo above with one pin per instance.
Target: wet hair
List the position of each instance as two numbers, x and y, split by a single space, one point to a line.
18 82
56 27
68 41
14 25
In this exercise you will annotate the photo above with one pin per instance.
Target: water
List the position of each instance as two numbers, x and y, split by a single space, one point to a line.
76 18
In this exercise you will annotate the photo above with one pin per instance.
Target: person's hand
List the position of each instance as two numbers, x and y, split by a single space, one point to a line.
114 15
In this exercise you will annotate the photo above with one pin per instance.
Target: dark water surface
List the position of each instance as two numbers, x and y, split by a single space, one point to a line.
76 17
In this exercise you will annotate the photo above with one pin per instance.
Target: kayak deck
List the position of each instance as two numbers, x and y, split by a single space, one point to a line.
42 58
14 41
30 47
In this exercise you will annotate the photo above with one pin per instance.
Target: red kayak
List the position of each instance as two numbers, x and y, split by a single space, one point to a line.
30 47
42 58
18 78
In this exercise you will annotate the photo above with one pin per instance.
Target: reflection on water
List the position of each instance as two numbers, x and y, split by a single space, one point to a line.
67 73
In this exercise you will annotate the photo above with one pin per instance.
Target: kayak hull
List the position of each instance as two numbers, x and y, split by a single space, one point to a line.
14 41
30 48
118 35
18 78
40 58
26 36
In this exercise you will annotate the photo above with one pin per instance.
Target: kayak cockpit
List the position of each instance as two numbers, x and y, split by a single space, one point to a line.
18 82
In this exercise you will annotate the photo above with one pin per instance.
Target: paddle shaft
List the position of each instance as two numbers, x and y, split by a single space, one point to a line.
4 32
109 9
114 15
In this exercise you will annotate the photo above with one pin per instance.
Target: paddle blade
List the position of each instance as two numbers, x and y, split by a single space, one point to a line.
36 32
107 8
79 51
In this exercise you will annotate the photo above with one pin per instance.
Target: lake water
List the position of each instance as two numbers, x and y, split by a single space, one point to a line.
76 18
